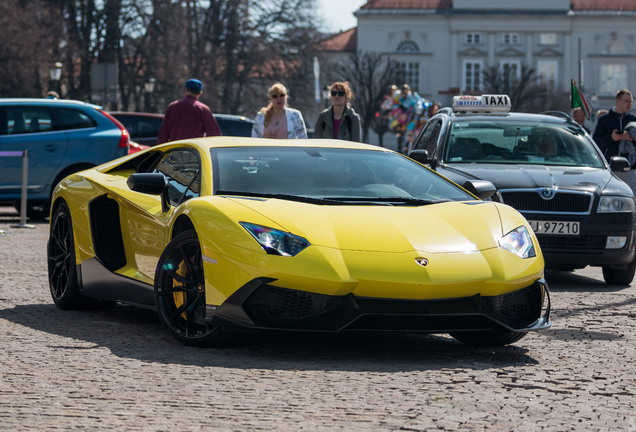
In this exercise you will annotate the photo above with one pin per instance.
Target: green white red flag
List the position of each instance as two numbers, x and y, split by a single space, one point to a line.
579 101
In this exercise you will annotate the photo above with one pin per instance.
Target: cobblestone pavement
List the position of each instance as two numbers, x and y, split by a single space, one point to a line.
118 370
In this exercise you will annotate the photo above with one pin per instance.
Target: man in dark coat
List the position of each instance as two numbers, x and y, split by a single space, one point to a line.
610 129
188 118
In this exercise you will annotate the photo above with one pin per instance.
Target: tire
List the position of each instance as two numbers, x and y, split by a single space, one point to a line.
63 280
620 276
487 338
180 293
37 212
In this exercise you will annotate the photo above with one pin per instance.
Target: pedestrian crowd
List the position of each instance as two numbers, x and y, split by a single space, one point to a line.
615 131
189 118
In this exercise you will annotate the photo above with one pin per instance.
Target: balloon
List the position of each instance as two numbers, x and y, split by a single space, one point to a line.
407 110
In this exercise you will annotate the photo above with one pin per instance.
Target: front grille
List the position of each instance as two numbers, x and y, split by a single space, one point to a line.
516 309
574 244
531 200
271 304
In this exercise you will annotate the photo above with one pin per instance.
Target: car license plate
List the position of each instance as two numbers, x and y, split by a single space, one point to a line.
555 227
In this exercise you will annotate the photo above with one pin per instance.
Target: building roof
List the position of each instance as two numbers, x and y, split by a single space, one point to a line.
613 5
576 5
340 42
407 4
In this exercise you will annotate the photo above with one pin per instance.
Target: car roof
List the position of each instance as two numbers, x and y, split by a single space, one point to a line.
43 101
207 143
228 141
135 114
157 115
559 118
232 117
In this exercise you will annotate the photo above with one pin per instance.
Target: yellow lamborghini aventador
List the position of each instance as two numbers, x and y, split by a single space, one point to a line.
226 234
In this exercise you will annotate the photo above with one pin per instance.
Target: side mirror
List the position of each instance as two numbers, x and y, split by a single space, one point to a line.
420 155
619 163
482 188
151 184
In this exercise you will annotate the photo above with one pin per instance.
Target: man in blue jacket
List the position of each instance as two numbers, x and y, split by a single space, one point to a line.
610 129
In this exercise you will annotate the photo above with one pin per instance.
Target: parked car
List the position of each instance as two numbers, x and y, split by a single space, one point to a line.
144 127
62 137
548 168
227 234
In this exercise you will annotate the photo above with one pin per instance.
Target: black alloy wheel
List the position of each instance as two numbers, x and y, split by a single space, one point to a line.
624 276
180 293
61 260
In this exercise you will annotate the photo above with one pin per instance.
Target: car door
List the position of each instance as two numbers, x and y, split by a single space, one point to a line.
145 226
30 127
429 137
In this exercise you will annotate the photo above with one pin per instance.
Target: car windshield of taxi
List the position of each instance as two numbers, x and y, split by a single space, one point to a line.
502 141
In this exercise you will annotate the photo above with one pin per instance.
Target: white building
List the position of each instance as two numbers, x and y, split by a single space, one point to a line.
444 45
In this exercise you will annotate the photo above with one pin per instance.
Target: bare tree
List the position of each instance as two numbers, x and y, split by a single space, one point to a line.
527 93
27 46
370 75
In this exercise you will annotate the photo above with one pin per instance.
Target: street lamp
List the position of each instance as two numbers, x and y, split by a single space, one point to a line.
56 76
325 95
149 88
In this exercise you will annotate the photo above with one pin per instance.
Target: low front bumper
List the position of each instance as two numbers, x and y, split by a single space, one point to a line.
264 306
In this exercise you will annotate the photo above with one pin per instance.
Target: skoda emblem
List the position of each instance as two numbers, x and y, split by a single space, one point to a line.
547 193
422 261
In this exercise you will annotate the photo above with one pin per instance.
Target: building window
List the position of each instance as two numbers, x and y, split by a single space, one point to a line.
472 75
510 70
547 39
511 38
408 46
614 46
409 73
613 78
473 38
548 72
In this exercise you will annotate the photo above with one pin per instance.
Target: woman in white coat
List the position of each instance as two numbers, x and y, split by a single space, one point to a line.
277 120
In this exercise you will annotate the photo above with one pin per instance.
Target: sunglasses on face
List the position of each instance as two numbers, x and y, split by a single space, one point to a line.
276 96
337 93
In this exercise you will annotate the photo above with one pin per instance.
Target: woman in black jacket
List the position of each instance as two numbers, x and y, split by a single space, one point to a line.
339 121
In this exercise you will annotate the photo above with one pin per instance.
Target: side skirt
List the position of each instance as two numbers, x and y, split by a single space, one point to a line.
100 283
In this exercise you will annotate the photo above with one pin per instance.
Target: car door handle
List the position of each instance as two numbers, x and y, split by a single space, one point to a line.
50 147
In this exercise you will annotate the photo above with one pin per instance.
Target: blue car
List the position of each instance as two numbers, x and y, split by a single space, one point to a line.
62 137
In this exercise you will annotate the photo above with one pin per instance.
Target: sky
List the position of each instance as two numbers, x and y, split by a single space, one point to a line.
338 14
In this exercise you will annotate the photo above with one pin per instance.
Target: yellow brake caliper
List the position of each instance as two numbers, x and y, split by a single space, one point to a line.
179 297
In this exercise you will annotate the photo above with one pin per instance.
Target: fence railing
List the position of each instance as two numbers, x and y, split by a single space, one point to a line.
25 182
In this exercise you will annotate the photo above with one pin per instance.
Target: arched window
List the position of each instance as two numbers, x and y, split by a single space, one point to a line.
408 46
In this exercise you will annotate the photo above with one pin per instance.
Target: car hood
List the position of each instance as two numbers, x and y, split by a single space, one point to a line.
436 228
518 176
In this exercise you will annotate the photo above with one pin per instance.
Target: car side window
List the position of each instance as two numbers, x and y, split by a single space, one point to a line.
26 119
429 136
74 119
182 168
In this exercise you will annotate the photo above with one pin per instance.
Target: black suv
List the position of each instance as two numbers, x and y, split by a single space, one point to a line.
549 169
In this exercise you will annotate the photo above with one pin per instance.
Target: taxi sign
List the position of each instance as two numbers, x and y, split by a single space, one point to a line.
483 103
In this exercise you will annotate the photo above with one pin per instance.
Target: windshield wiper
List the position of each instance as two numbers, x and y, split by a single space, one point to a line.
298 198
389 200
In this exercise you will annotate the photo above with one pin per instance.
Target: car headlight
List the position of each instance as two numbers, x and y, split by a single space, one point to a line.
276 242
519 242
615 204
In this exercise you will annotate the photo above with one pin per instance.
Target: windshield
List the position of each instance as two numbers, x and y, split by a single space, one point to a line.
327 173
502 141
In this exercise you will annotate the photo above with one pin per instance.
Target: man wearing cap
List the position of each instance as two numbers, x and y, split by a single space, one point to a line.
188 118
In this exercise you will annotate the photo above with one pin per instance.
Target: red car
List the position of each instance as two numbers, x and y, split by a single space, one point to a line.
144 127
